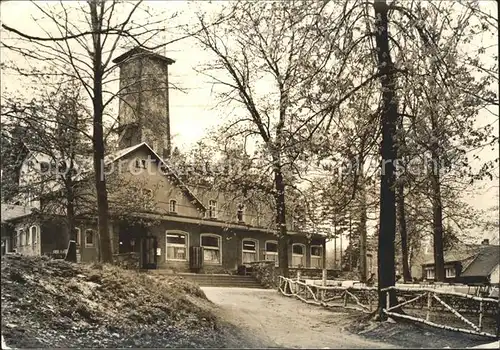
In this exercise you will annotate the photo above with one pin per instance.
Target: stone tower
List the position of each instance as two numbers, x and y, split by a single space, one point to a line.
144 100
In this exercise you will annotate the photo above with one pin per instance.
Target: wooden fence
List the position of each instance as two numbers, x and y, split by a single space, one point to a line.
430 306
446 310
357 298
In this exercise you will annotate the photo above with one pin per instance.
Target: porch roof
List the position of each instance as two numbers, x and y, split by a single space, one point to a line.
11 212
217 223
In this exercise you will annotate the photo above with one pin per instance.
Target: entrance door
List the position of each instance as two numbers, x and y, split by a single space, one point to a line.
148 252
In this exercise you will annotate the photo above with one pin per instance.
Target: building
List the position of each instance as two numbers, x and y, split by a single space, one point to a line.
468 264
155 217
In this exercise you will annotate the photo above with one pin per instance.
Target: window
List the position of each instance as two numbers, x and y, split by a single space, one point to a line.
317 256
211 248
44 167
21 238
240 213
271 252
78 236
250 249
212 208
28 237
450 272
15 239
89 238
141 163
29 199
429 273
298 258
34 235
173 206
177 244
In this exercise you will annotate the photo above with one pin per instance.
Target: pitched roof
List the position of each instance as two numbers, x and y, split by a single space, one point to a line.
10 211
166 169
484 262
461 253
140 51
87 168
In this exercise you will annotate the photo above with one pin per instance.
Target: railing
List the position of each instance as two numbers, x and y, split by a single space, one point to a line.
450 307
355 297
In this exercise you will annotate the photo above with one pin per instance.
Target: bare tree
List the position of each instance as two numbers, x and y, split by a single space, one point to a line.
85 37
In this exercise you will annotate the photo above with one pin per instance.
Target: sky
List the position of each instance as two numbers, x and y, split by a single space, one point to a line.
193 110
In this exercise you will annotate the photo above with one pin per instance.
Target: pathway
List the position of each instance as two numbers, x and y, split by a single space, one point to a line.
278 321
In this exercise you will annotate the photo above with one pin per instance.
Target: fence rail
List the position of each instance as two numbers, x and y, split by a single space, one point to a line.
441 309
461 307
357 297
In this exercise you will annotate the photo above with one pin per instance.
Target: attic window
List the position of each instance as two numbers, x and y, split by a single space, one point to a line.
212 208
141 163
44 167
173 206
240 213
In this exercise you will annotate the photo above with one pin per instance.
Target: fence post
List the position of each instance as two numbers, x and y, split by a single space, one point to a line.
429 306
345 298
480 325
387 299
298 275
323 283
498 320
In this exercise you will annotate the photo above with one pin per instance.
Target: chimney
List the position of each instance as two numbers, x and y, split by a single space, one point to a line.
485 241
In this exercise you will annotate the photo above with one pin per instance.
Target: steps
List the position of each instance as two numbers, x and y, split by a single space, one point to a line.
220 280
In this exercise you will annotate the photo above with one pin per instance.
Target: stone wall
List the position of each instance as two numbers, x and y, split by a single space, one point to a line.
265 273
129 261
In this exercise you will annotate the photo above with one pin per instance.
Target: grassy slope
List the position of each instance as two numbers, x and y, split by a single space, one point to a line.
51 303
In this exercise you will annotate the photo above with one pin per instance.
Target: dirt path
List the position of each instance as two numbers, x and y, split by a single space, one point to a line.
278 321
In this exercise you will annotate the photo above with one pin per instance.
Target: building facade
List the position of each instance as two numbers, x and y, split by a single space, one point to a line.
154 215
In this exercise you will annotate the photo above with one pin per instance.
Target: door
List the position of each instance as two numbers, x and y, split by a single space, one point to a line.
148 252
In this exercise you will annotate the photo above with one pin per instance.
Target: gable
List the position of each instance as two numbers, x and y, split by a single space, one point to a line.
141 170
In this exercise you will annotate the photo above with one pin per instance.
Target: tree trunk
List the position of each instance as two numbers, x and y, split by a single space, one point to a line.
340 252
362 234
437 219
70 218
98 140
350 242
283 242
388 152
404 233
335 245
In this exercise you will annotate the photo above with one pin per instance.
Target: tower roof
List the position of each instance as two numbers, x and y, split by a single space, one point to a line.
140 51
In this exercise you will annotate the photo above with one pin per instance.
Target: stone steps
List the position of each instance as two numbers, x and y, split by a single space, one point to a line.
217 280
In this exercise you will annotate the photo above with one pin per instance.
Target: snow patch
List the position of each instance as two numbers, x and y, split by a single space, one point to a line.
4 346
494 345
